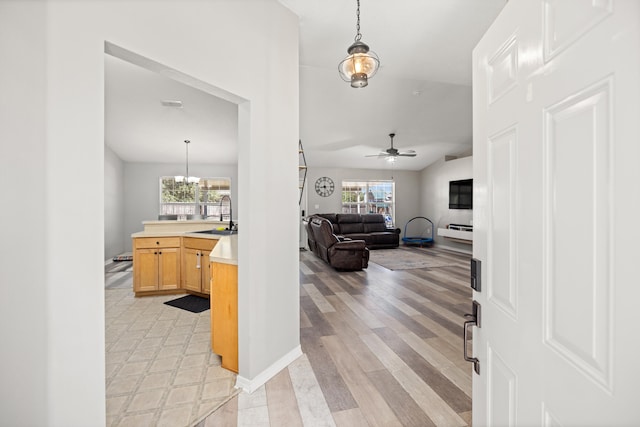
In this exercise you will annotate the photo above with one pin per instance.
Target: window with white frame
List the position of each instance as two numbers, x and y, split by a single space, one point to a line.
369 197
199 196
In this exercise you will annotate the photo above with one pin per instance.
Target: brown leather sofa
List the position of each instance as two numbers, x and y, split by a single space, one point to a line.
341 254
368 227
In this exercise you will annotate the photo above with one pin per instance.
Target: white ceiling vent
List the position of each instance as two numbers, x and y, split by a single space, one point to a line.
170 103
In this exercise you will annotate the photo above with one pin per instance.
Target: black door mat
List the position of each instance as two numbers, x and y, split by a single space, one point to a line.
190 303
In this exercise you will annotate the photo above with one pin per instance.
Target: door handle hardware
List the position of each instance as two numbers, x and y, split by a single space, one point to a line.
474 320
198 259
475 274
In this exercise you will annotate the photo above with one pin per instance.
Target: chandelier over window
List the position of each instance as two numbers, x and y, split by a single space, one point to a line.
361 64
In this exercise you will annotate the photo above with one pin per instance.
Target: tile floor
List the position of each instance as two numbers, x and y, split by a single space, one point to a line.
159 366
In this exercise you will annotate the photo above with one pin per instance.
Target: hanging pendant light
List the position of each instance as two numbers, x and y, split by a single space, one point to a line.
361 64
187 179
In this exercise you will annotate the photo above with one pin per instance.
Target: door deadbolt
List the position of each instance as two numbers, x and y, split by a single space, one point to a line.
475 274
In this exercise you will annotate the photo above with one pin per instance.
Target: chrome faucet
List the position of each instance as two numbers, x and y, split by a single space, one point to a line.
230 211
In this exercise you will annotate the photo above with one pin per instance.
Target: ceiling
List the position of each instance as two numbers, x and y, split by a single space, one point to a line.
422 92
139 129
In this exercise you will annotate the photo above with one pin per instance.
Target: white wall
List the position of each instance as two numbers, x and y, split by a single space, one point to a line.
24 283
55 86
407 190
114 206
142 192
435 197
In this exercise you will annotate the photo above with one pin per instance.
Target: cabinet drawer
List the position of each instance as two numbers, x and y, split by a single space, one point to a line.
156 242
195 243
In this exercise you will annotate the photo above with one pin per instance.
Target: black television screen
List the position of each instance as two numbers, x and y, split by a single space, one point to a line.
461 194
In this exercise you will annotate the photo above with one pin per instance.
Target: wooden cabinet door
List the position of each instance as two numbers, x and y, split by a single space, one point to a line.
206 268
224 314
206 272
169 268
145 276
192 269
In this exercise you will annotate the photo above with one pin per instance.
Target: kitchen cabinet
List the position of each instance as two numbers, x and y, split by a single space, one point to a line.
224 313
156 263
196 270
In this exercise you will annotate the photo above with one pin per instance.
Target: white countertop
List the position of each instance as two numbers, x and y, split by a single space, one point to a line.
226 250
175 234
177 226
188 221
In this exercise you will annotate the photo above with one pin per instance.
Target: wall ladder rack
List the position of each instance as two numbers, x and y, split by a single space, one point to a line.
302 170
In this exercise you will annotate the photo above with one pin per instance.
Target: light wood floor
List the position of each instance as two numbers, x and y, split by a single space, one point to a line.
382 347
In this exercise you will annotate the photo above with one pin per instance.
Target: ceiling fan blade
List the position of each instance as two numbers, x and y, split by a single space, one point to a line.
391 152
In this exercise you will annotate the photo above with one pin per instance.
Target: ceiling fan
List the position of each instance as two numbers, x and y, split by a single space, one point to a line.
391 153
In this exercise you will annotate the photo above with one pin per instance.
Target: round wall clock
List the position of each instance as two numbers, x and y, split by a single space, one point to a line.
324 186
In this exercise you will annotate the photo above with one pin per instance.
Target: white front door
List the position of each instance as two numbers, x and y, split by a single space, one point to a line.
556 133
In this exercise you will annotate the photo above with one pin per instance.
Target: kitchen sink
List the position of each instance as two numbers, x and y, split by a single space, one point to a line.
219 232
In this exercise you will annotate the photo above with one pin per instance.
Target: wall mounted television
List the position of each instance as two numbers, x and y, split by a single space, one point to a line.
461 194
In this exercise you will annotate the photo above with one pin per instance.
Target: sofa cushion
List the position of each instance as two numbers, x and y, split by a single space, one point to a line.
330 216
374 227
373 223
370 218
351 227
385 238
348 217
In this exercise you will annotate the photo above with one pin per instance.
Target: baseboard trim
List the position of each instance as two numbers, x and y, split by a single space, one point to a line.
251 385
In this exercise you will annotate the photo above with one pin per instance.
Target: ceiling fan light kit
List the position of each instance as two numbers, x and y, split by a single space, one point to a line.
361 64
391 153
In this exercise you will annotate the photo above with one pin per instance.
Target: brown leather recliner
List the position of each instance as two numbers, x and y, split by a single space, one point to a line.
340 254
311 241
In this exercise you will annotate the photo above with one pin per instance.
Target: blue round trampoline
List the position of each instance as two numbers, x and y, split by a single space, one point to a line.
418 231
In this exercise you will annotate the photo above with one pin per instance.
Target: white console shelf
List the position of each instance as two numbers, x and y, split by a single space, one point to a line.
458 235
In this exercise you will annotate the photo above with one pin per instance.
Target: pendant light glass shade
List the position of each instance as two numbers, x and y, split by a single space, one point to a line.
359 66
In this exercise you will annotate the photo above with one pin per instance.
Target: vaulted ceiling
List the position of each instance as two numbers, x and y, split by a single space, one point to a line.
422 92
138 128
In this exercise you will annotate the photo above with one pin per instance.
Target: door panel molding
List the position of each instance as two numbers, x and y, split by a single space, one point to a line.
578 199
502 389
503 70
502 228
565 22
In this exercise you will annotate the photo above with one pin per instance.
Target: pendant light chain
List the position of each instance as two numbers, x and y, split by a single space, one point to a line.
187 145
358 35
